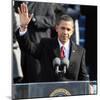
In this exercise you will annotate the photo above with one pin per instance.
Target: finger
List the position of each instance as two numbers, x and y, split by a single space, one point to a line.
19 10
30 17
22 8
26 8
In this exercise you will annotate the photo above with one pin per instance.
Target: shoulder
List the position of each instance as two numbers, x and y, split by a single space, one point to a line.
77 47
47 40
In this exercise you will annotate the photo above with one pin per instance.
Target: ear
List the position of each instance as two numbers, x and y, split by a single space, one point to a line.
56 28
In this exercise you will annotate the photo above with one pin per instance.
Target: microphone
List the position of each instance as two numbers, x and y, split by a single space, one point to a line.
65 64
56 64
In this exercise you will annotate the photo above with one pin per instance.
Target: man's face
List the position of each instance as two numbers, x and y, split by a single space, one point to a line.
65 30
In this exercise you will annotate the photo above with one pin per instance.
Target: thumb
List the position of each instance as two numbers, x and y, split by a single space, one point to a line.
30 17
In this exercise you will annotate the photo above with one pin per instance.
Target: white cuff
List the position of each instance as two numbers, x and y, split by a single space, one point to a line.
22 33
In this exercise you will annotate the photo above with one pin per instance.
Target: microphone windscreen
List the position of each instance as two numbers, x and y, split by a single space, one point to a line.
56 61
65 61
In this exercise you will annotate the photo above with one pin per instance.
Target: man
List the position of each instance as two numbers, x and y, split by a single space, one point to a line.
49 49
39 27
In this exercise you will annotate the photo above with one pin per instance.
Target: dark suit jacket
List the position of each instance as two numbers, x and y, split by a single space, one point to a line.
47 50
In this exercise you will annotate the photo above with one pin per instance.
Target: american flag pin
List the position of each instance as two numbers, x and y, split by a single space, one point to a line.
73 51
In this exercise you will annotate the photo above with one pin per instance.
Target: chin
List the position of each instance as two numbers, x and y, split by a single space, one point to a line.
64 41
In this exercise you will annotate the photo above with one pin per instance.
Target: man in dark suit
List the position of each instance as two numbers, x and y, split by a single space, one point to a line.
48 49
39 27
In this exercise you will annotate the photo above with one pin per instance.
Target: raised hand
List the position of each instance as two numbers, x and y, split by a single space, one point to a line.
24 15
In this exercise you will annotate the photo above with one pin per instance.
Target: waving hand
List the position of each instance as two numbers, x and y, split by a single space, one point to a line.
24 15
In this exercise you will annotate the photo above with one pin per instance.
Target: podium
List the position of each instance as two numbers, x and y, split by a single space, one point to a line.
50 89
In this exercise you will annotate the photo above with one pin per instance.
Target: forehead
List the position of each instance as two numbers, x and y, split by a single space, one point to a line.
64 23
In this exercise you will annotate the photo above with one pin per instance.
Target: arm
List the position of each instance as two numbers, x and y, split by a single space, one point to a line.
22 34
83 74
27 46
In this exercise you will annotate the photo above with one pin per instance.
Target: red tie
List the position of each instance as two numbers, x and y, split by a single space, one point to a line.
62 53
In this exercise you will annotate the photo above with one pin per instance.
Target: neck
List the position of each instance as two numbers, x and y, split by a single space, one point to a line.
63 42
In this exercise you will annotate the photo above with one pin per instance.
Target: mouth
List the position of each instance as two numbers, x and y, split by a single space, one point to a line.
65 36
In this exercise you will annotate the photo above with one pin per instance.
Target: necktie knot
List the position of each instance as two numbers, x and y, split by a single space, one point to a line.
62 53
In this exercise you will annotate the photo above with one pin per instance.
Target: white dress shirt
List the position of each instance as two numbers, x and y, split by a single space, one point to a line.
66 48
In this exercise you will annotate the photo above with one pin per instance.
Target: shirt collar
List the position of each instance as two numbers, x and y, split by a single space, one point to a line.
66 45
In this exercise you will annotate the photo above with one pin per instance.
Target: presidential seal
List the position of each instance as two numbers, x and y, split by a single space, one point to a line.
60 92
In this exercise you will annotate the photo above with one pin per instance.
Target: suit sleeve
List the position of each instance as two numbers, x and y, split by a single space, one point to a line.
27 46
83 74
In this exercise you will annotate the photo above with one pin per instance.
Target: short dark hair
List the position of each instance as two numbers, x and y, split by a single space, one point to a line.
65 18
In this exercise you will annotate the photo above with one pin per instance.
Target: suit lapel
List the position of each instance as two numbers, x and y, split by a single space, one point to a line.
56 52
56 48
73 52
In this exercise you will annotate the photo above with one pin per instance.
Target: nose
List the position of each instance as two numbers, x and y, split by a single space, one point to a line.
65 32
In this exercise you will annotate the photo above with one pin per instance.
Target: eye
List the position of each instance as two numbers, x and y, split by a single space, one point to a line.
68 29
63 28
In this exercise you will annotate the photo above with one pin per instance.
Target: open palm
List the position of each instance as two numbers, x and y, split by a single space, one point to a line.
24 16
